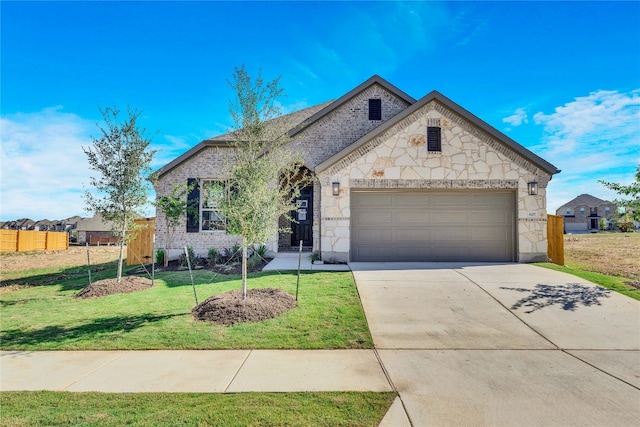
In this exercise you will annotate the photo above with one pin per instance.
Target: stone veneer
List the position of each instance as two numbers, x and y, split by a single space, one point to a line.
470 159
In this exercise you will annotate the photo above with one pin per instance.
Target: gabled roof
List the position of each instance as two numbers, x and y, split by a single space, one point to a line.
457 109
97 223
585 199
299 120
224 140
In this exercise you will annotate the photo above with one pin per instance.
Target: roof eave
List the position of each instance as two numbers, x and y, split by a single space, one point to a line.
375 79
188 154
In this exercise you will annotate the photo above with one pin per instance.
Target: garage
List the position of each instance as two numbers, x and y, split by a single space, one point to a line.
421 225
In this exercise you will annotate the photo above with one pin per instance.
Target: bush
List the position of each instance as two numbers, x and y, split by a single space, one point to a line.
625 226
160 256
236 253
192 258
261 251
253 261
213 256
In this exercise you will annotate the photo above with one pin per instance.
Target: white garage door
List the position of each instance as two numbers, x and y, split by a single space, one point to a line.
432 225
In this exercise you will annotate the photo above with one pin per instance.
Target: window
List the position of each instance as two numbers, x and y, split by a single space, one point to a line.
213 193
375 109
568 212
433 139
607 209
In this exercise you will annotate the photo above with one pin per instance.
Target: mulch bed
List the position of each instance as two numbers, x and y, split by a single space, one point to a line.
106 287
230 268
229 308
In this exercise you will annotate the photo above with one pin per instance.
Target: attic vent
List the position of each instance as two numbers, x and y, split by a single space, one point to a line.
433 139
375 109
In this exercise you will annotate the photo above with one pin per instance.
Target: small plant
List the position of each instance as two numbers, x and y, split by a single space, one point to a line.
253 261
192 258
213 256
236 253
261 251
160 256
315 256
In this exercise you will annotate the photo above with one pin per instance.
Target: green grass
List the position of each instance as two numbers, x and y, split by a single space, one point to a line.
610 282
47 317
44 408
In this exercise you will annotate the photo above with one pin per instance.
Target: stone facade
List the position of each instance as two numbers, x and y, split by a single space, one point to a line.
342 145
399 159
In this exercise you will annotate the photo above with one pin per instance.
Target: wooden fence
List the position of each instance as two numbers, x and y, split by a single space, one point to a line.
28 240
555 239
140 249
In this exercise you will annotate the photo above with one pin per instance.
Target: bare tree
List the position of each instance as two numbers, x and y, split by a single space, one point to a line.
120 156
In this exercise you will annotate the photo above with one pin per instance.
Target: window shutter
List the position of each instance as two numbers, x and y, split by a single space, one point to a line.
375 109
433 139
193 206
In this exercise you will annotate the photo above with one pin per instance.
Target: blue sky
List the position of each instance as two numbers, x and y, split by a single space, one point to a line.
562 79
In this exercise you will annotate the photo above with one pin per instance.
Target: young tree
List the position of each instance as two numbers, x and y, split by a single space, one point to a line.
174 207
263 176
120 157
632 190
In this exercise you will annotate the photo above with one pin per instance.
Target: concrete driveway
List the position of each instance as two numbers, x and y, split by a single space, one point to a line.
502 344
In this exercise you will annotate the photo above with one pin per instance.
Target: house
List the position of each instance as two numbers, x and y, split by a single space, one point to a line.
394 179
585 212
95 231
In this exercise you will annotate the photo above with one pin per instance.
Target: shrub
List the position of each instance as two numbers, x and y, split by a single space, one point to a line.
253 261
192 258
261 251
213 256
160 256
236 253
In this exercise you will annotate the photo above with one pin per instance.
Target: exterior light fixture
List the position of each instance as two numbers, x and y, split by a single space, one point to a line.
335 188
533 188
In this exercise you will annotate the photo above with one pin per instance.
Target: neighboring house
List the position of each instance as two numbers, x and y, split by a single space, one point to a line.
95 230
44 225
395 179
68 224
585 212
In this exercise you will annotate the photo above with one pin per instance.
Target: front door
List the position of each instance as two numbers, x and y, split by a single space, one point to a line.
302 229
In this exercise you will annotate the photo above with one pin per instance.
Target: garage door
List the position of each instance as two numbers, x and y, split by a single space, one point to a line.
432 226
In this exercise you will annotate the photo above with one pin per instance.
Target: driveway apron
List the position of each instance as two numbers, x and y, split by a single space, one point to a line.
503 344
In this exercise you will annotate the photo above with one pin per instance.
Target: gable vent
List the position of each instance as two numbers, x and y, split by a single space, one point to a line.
433 139
375 109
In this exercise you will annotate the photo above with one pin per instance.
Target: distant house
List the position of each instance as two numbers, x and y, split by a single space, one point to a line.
95 230
585 212
44 225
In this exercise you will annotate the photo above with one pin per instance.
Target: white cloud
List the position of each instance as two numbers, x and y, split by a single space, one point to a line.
517 118
44 171
595 137
43 165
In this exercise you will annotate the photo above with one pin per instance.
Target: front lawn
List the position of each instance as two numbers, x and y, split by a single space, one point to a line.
44 408
617 284
47 317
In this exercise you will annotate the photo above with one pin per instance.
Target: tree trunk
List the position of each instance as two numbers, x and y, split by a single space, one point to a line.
244 269
121 257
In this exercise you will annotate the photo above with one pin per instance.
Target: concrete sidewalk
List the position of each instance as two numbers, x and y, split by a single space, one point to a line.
202 371
287 261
